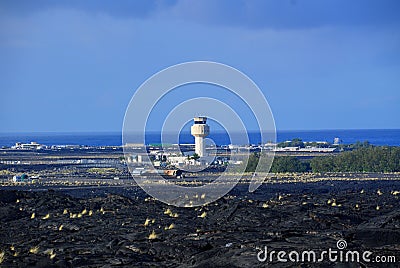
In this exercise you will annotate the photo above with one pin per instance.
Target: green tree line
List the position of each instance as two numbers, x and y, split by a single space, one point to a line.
364 159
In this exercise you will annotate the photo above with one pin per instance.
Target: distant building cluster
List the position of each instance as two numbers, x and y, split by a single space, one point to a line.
37 146
161 159
180 155
307 149
29 146
198 154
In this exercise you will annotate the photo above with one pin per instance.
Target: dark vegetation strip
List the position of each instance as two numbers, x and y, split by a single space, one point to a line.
364 159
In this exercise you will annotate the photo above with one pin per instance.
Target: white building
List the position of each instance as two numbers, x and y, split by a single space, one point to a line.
29 146
178 160
200 130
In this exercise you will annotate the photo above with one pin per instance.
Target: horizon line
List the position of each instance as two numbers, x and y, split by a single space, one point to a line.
158 131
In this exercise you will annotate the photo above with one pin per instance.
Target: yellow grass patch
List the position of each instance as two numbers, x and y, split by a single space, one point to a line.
34 250
153 235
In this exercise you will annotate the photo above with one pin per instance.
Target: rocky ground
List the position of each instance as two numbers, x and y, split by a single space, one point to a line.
82 229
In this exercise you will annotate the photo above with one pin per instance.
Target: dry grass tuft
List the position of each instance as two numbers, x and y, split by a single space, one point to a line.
2 256
171 226
168 212
34 250
51 253
203 215
153 235
147 222
52 256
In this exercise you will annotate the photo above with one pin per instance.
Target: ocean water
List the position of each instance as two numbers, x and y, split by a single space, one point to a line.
389 137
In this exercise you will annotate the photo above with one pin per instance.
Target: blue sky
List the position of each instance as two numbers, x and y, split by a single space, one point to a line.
74 65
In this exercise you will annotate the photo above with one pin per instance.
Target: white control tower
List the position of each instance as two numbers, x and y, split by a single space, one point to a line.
200 130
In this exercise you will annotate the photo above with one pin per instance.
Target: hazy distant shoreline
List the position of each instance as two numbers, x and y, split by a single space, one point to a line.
390 137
